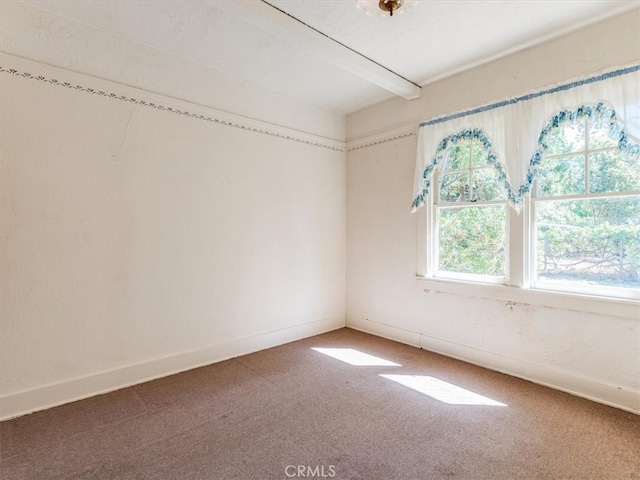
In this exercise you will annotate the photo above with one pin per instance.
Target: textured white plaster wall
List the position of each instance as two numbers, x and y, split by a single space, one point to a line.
32 33
382 234
130 234
382 287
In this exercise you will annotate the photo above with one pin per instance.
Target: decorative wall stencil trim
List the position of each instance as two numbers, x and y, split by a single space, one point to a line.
379 139
40 398
546 375
386 140
231 120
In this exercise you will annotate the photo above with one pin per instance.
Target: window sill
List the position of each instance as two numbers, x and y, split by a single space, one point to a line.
566 301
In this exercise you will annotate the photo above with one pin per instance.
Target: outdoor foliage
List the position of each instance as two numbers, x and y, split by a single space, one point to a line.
589 240
587 210
471 236
472 239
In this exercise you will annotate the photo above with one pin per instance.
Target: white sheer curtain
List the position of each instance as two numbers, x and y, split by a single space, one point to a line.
513 127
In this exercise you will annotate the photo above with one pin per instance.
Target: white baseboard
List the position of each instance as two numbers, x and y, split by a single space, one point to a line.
47 396
384 331
624 399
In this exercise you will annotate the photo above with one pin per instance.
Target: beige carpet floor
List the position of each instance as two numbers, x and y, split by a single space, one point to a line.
295 412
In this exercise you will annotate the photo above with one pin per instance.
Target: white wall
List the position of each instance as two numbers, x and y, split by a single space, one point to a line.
589 348
136 242
35 34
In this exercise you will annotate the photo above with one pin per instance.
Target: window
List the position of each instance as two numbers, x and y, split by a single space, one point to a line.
580 228
530 194
469 215
585 210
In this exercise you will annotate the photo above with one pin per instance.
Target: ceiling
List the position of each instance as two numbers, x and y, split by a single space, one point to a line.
328 52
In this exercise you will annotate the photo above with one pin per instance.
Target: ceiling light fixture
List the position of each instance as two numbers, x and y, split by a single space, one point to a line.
382 7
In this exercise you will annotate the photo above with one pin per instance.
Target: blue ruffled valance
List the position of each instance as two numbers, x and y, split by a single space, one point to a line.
513 133
452 140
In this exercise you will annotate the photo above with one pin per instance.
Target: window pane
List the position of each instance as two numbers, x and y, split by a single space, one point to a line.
611 171
457 157
589 241
599 135
472 239
454 187
561 176
565 139
486 186
478 156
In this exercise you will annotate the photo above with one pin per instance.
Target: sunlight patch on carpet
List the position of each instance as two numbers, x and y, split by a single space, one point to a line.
442 391
356 357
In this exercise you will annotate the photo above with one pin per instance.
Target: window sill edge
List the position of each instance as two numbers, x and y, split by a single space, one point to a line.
618 307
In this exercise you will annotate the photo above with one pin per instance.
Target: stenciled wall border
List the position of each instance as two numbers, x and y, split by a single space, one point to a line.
382 138
239 124
379 142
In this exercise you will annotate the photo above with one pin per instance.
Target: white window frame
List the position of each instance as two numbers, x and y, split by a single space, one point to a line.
432 255
530 210
519 284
